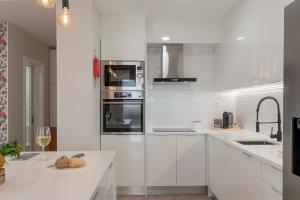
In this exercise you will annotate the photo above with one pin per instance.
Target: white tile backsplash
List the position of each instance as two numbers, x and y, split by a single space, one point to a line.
177 105
246 105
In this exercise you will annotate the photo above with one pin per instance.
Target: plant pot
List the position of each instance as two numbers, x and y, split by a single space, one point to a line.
2 176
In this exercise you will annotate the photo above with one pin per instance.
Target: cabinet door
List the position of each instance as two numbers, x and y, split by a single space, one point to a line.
191 160
220 169
123 37
273 31
270 193
233 175
161 160
246 176
130 158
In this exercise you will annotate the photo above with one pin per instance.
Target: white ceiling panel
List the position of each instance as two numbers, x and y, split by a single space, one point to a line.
170 9
25 14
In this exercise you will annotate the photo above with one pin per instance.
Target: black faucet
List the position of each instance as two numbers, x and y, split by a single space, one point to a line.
278 136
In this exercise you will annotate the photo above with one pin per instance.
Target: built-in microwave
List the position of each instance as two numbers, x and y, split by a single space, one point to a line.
123 75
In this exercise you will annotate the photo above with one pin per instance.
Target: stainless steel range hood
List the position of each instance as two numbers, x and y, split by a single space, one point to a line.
172 69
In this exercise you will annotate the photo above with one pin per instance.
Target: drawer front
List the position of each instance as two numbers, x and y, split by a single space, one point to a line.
270 193
272 176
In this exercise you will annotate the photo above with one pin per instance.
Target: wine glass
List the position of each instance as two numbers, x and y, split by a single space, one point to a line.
43 136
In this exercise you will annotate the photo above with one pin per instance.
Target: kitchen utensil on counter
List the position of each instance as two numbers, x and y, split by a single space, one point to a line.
218 123
227 120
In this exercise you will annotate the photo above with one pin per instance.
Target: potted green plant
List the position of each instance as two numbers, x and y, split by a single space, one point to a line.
13 149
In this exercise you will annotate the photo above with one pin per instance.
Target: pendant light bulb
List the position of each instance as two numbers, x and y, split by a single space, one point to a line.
46 3
65 18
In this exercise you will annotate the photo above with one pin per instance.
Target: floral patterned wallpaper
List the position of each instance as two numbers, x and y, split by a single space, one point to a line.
3 82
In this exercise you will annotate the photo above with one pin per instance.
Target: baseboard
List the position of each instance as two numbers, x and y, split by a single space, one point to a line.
177 190
131 191
169 190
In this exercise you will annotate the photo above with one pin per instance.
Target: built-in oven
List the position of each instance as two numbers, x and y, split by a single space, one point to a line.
123 75
123 113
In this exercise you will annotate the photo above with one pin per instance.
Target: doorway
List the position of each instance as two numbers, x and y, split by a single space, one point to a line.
33 101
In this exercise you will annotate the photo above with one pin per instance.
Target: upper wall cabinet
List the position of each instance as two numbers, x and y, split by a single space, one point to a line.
123 37
251 51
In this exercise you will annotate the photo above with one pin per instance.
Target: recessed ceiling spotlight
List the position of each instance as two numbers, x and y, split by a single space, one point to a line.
241 38
165 38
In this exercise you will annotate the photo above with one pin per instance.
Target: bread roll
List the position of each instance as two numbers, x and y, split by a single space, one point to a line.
76 163
62 162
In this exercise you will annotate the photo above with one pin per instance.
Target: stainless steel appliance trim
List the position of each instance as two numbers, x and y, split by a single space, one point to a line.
140 80
122 133
124 102
119 62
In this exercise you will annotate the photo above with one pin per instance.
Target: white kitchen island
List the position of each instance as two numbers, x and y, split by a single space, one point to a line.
32 179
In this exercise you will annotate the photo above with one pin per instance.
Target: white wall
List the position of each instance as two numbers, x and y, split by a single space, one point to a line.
184 31
177 105
53 88
22 44
78 101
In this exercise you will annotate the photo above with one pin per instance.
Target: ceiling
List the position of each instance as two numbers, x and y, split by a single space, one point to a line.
170 9
40 23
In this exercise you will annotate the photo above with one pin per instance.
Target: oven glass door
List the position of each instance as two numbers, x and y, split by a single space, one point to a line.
120 75
123 116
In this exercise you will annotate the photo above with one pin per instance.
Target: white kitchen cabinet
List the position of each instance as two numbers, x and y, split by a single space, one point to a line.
219 168
123 37
269 192
273 36
191 160
106 189
273 176
161 160
130 158
233 175
252 45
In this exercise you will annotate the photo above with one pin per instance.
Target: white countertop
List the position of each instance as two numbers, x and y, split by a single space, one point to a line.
269 154
33 180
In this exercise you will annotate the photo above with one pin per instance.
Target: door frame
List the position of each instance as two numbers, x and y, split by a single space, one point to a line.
35 64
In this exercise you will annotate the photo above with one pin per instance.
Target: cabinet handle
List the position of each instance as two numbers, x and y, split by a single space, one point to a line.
276 168
247 154
227 145
190 135
163 135
95 197
110 166
276 190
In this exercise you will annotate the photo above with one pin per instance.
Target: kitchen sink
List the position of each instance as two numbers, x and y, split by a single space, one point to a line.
260 142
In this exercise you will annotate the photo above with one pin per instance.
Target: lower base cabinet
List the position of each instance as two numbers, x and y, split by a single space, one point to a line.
161 160
106 189
176 160
130 155
233 175
269 192
191 165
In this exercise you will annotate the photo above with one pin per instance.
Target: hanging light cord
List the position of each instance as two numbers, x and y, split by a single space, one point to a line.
65 4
